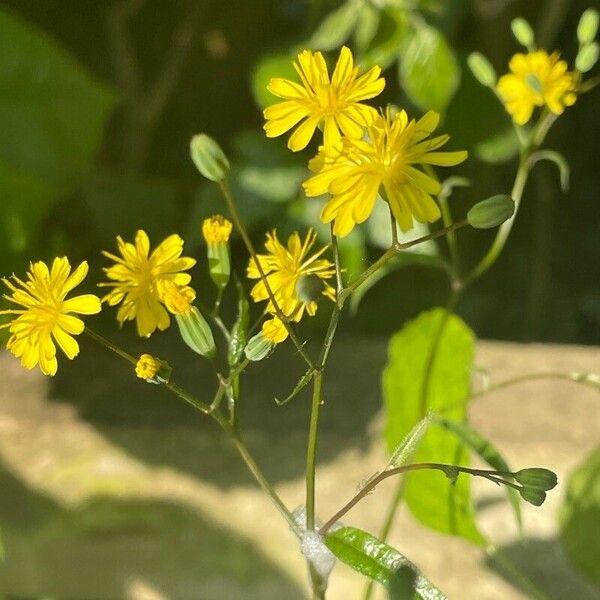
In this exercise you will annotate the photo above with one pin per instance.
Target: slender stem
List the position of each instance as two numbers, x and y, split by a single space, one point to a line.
224 186
311 451
336 260
233 435
373 482
389 254
451 235
394 227
111 346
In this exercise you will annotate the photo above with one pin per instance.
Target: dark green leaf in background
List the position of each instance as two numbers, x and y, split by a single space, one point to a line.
52 118
428 69
336 27
432 499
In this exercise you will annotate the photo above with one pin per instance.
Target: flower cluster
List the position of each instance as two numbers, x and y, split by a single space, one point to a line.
365 153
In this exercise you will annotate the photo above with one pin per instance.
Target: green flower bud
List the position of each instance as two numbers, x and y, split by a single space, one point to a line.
209 158
533 496
196 332
258 347
309 288
491 212
537 478
482 69
587 57
523 33
588 26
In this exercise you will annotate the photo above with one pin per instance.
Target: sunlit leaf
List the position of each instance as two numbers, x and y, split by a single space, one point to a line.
273 65
335 28
380 562
430 496
385 46
429 71
580 515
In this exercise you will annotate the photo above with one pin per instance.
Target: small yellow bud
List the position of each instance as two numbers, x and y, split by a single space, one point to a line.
147 367
216 229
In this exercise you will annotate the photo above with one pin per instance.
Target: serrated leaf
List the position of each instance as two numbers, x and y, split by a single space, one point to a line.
429 71
489 453
335 28
430 497
377 560
580 515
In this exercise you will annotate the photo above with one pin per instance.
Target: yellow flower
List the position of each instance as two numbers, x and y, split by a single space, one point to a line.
147 366
216 229
274 331
336 102
537 79
136 276
178 299
286 269
45 317
355 171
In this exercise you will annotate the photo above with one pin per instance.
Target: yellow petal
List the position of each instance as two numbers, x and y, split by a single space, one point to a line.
301 136
66 343
87 304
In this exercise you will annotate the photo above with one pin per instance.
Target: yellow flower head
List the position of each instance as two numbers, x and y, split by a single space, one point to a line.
355 171
136 275
336 102
216 229
274 331
45 314
286 268
147 367
178 299
537 79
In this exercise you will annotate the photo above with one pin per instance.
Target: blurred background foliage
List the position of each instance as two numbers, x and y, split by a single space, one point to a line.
99 101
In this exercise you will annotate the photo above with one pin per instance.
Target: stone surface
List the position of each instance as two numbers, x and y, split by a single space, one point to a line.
94 508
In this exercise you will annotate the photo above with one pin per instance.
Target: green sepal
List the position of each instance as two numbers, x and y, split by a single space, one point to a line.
219 264
258 347
196 333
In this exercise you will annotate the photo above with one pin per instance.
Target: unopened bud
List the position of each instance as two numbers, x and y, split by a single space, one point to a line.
588 26
491 212
482 69
216 231
587 57
523 33
209 158
153 370
196 332
536 477
258 347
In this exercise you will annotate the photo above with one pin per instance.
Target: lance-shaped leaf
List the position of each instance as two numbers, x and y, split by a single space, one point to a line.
489 453
377 560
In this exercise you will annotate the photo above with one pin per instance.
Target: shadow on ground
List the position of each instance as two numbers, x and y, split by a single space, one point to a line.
544 562
107 546
160 429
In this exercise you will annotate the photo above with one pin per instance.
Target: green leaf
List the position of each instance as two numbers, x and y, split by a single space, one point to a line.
387 42
580 515
430 497
370 556
122 204
52 118
335 28
429 71
272 65
408 446
499 148
487 452
366 27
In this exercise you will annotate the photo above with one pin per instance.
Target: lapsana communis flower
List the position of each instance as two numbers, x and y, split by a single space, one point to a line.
288 271
45 317
537 79
335 102
354 171
136 275
147 367
216 229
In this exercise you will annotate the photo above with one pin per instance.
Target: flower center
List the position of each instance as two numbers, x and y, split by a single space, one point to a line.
534 83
